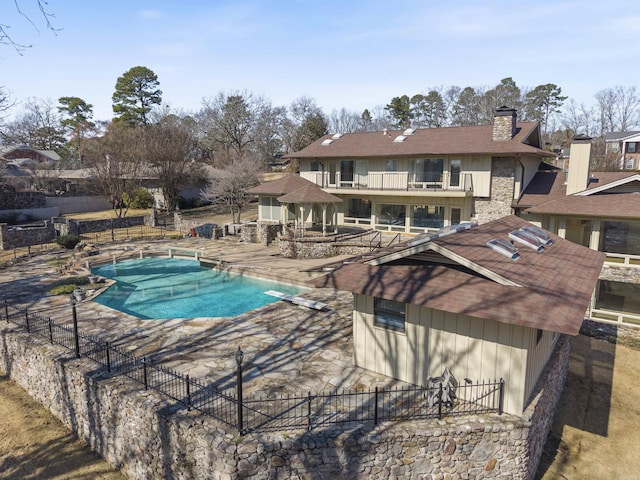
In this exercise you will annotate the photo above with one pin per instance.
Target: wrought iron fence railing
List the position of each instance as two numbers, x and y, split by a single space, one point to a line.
255 413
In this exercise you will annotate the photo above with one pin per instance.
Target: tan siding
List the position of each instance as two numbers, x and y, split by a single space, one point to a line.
480 169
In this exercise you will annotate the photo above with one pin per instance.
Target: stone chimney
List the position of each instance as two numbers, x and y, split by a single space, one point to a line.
579 161
504 124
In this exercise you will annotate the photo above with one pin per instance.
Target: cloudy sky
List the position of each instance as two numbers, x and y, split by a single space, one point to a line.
354 54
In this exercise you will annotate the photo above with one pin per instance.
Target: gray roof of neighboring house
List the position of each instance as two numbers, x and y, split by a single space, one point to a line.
539 290
616 136
425 141
6 149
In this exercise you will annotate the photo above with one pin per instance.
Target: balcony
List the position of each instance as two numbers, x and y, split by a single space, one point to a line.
392 181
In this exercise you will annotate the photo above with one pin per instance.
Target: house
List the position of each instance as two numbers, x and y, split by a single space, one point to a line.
599 210
485 301
625 146
418 180
24 155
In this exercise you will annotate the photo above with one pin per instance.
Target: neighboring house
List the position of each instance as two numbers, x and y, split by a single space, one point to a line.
27 156
451 301
599 210
419 180
625 146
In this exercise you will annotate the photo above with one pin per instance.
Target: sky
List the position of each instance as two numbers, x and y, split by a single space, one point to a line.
352 54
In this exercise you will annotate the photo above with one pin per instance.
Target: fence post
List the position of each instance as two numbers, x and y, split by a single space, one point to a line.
74 316
501 399
6 310
440 402
144 373
188 393
239 357
26 318
309 410
375 408
50 332
106 344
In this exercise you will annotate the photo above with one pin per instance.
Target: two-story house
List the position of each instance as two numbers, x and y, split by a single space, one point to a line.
625 146
599 210
416 180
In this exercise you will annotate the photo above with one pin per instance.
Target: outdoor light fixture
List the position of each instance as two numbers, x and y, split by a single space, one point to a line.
239 356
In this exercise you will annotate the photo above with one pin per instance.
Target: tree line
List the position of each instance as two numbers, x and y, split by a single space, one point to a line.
239 133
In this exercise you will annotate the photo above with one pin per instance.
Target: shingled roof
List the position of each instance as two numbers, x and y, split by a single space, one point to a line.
281 186
458 273
425 141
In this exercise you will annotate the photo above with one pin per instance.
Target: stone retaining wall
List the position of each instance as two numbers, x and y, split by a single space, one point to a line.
262 233
620 274
10 200
13 237
78 227
316 248
148 437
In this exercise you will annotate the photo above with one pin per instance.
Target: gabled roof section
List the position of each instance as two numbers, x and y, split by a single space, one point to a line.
427 141
541 291
619 136
281 186
614 186
309 194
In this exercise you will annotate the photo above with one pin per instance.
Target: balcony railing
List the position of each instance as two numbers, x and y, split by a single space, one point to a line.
392 181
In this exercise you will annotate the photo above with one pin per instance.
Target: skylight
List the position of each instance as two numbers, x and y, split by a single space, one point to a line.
422 238
326 142
409 131
504 247
541 234
528 239
400 138
337 136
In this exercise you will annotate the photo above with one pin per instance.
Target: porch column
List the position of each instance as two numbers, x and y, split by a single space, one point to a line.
324 219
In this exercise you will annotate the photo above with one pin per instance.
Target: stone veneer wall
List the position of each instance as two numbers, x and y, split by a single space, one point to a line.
12 237
78 227
147 437
315 248
262 233
498 205
10 200
620 274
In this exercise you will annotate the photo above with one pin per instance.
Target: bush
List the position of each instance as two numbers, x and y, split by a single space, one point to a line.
68 241
62 290
141 199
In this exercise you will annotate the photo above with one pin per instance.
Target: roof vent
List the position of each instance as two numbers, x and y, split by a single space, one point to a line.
409 131
504 247
528 239
448 230
541 234
326 142
400 139
337 136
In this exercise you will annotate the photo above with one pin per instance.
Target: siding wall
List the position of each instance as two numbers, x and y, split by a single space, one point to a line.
470 347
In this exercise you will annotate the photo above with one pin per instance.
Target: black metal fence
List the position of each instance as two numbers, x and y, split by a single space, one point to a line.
254 414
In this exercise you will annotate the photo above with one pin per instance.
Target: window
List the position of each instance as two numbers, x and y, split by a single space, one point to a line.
632 147
454 173
630 163
391 214
389 314
428 216
618 296
315 166
620 237
456 216
271 209
424 170
358 208
391 166
347 168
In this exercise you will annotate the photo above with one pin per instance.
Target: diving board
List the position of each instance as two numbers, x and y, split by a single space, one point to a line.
305 302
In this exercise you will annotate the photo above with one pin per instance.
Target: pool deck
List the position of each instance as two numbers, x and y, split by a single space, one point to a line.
287 348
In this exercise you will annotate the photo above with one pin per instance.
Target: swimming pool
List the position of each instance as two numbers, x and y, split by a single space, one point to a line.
155 288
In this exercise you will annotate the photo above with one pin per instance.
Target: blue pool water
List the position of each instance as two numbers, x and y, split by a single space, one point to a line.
154 288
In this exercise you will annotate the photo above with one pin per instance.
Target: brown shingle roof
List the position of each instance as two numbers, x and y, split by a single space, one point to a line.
427 141
309 194
554 292
281 186
612 205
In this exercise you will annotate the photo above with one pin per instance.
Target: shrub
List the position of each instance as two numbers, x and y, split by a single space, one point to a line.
68 241
141 199
62 290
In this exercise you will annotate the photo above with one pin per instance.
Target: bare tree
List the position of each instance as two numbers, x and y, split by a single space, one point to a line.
38 125
117 163
229 185
619 109
344 121
7 39
169 155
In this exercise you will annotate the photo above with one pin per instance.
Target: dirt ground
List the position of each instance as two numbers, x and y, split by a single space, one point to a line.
595 430
35 445
594 434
